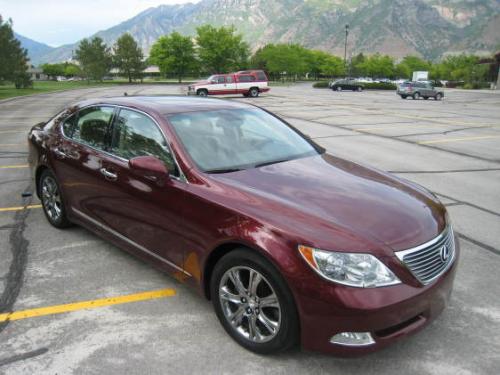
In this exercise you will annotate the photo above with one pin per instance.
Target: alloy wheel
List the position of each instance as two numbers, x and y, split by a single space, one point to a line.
51 199
250 304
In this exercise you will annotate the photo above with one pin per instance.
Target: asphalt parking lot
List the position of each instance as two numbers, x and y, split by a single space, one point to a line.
452 147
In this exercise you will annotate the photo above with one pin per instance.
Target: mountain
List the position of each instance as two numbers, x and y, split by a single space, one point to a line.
35 49
430 28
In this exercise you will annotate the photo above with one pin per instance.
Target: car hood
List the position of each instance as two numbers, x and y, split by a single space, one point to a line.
322 198
200 83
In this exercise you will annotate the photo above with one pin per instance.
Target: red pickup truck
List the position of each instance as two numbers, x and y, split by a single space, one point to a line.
250 83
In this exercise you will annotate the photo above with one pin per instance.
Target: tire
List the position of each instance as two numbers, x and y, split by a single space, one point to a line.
416 96
52 202
338 88
253 92
281 313
403 96
426 97
359 89
438 96
203 93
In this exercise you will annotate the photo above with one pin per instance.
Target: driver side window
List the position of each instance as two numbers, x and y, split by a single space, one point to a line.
135 134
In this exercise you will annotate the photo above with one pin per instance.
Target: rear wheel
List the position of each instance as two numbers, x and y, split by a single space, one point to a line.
438 96
52 202
416 96
338 88
253 303
253 92
426 97
403 96
359 89
203 93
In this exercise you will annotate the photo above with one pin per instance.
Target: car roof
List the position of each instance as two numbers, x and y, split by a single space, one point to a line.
168 104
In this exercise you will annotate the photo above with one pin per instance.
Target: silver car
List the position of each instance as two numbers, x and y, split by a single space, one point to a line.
417 90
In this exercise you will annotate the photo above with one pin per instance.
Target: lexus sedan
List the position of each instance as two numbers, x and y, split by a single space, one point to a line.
291 244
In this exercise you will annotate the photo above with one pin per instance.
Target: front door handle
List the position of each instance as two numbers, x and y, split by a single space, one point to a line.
109 175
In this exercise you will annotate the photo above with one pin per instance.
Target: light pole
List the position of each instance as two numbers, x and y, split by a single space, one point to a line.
345 48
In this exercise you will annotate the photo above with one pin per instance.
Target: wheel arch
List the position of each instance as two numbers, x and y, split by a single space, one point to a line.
225 248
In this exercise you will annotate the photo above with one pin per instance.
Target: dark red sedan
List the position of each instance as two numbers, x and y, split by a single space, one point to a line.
290 243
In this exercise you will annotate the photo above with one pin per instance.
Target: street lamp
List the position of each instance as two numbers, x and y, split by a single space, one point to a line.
345 47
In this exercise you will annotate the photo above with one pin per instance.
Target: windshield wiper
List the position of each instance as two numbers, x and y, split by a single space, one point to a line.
271 162
224 170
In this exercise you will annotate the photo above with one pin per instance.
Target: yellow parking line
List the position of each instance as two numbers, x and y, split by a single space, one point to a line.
85 305
6 209
12 131
14 166
449 140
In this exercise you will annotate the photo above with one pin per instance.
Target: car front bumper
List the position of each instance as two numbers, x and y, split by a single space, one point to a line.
387 313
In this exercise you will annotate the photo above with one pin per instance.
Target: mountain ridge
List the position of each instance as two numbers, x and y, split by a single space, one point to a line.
429 28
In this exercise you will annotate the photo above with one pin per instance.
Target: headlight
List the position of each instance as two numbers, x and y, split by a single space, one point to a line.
353 269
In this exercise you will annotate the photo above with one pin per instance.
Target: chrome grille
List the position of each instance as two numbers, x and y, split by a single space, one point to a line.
430 260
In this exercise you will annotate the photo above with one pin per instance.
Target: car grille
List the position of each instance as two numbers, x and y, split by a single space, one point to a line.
429 261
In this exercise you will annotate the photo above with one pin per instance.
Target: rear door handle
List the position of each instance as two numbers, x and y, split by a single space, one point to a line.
109 175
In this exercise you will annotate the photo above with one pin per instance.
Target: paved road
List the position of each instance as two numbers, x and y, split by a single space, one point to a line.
451 147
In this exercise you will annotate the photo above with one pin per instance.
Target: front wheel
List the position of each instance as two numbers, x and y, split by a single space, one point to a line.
203 93
359 89
253 303
403 96
52 202
416 96
438 96
338 88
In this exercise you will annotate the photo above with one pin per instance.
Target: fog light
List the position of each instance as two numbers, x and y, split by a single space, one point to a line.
353 339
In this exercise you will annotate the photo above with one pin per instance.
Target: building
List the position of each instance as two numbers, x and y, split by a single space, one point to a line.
37 74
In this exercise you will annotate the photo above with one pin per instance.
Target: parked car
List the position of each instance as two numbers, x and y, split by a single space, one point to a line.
250 83
417 90
346 84
291 244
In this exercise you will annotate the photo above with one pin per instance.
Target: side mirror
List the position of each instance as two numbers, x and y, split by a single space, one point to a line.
149 167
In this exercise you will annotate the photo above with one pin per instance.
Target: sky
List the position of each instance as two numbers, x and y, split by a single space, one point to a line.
58 22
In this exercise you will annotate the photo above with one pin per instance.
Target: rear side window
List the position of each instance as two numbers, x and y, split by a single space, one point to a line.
261 76
90 126
246 78
221 79
135 134
229 79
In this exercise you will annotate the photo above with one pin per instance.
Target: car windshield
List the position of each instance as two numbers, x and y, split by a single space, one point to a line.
229 140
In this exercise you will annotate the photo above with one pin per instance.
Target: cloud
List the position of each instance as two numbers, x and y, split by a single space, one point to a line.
57 22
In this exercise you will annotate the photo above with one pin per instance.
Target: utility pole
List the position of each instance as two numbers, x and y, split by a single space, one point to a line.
345 48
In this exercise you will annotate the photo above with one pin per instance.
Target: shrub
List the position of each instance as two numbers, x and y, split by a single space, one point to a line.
321 85
379 86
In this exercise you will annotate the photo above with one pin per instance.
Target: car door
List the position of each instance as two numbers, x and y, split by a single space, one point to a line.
217 86
145 213
76 157
230 85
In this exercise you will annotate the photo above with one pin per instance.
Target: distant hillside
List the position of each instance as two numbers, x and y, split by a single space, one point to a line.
35 49
430 28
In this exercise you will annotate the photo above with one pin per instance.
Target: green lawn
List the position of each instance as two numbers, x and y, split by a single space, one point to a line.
9 91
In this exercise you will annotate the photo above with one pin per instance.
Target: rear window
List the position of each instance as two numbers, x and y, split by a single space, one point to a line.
246 78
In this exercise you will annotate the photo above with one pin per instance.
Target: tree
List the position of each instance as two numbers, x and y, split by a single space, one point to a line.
53 70
333 66
13 58
220 49
94 57
174 53
278 59
411 64
128 57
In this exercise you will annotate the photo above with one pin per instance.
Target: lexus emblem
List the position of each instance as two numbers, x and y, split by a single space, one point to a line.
445 253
